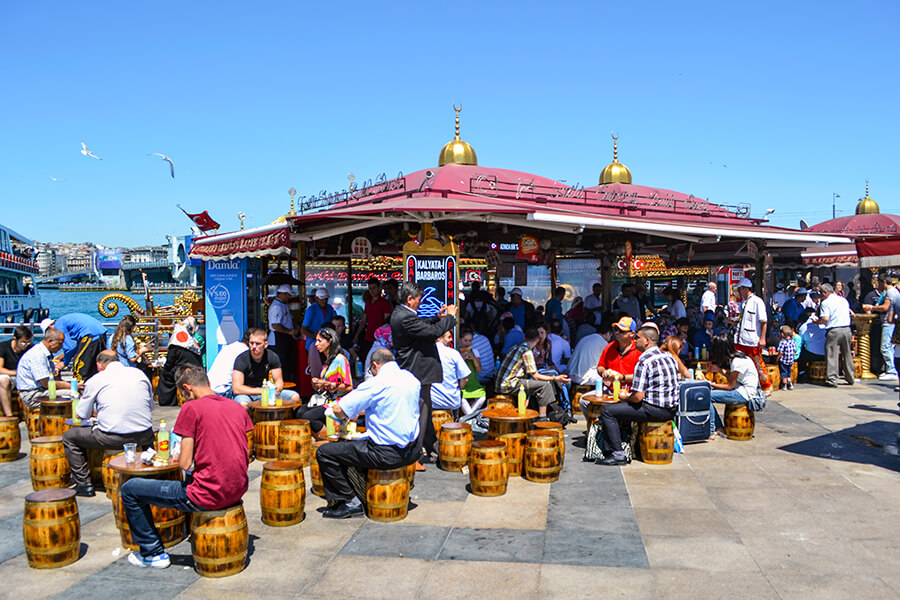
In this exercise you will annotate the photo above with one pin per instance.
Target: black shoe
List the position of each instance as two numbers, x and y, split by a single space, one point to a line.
343 512
611 461
86 491
543 419
830 384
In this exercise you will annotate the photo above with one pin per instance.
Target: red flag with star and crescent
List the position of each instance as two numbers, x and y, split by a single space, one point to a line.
203 221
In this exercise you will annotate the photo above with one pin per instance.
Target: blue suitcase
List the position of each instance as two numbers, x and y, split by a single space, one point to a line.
693 410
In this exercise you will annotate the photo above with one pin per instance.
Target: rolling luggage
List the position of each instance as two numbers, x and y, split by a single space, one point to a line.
693 415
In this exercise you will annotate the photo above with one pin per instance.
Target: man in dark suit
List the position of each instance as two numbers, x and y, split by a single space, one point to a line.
415 341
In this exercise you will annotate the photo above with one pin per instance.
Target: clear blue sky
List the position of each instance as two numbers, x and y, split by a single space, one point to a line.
798 99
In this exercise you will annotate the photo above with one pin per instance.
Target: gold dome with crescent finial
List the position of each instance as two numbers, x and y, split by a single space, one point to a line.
867 206
615 172
457 151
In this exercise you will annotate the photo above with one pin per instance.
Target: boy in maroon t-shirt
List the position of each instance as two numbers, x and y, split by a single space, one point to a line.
214 440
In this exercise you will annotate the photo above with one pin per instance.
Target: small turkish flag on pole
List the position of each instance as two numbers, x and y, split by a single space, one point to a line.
203 221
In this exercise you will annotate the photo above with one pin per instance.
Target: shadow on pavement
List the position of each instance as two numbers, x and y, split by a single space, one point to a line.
873 443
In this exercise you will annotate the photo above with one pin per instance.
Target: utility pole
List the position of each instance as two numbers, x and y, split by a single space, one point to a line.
834 205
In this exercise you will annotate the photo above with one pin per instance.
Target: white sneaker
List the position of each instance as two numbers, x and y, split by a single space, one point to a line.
887 377
160 561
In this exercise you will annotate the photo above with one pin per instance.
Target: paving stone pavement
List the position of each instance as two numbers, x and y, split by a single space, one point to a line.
806 509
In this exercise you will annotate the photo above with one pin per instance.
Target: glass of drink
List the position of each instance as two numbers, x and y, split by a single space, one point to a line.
130 453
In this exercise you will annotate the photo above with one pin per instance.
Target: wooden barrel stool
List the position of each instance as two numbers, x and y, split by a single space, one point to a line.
557 428
32 421
439 417
10 439
51 528
53 415
817 372
18 409
715 377
49 467
513 433
739 422
578 392
314 474
488 468
500 402
543 460
219 541
409 471
387 494
657 443
295 441
96 458
857 367
774 375
794 372
251 435
265 440
282 493
455 442
110 477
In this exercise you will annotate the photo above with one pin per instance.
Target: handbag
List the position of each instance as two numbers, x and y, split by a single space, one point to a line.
320 399
593 449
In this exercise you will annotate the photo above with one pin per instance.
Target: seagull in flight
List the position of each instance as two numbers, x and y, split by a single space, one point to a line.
87 152
168 160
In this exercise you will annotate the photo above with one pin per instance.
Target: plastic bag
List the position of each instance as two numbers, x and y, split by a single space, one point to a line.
679 445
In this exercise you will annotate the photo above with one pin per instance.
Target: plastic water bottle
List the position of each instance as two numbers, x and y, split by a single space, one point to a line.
76 421
273 393
617 387
598 387
73 384
522 398
162 442
264 394
51 388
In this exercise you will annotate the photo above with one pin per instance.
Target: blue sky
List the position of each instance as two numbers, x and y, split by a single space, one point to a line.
798 99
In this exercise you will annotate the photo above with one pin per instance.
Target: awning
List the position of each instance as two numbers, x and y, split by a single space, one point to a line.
879 252
270 240
837 255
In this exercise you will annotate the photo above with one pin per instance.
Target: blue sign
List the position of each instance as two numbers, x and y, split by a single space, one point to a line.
226 304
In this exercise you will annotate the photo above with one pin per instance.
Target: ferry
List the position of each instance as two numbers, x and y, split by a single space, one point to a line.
19 298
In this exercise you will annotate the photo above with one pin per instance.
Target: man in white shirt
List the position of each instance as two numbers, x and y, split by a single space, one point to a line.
282 331
560 350
446 394
750 336
122 399
594 302
583 366
780 296
835 316
628 303
708 299
223 366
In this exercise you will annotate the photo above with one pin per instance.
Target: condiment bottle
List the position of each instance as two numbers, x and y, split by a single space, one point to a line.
162 442
522 398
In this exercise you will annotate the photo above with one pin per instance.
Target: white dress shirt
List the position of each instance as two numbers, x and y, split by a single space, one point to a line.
708 301
391 402
753 315
123 397
837 309
222 368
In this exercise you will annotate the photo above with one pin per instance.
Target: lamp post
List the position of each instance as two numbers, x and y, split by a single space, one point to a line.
834 205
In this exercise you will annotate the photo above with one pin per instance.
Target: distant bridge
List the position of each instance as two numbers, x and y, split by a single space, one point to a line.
88 274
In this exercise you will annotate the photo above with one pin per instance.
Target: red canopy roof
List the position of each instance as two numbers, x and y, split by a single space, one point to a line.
866 224
878 252
268 240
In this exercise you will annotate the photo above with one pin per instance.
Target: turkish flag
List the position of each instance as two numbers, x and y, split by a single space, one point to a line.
203 221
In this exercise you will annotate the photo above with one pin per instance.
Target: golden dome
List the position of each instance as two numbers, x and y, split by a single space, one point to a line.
867 206
290 213
615 172
457 151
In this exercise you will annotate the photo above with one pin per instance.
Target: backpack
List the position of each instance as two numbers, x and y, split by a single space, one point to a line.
556 414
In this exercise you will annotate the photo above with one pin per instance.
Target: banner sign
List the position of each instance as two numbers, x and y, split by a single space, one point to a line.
226 304
528 248
437 276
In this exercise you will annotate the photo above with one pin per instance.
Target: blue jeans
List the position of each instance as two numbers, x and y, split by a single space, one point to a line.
286 395
887 348
137 496
722 397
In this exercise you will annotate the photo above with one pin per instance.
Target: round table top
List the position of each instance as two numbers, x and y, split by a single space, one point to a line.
257 405
45 400
54 495
84 423
594 398
289 385
510 414
118 463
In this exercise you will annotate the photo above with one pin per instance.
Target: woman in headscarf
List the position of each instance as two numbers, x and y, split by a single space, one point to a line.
384 341
182 350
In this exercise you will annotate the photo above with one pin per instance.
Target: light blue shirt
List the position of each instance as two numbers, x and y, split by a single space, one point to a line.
36 364
76 326
813 336
446 394
313 319
280 314
125 351
486 352
391 402
515 337
837 309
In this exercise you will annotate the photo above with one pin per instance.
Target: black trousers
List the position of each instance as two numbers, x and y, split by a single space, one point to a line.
340 461
84 366
286 349
427 434
637 412
78 439
315 415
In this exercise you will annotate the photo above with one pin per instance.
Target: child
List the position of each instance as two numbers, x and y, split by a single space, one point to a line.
787 352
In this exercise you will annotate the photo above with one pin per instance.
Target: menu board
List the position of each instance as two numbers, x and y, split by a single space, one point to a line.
437 276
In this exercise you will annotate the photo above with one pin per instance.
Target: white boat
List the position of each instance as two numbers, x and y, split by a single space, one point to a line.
19 298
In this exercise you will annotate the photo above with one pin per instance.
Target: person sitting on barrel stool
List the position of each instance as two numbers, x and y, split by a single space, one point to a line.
253 367
36 369
743 379
11 351
122 399
518 369
213 432
391 402
653 396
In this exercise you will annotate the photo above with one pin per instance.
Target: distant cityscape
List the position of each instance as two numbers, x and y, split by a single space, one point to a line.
55 258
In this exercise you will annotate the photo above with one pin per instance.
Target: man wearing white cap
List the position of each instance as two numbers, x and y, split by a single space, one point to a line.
282 332
780 296
522 312
316 315
750 337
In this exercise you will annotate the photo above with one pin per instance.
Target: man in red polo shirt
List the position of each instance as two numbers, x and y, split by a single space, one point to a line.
618 358
378 311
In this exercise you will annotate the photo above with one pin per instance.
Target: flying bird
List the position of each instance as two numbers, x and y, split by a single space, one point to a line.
167 159
87 152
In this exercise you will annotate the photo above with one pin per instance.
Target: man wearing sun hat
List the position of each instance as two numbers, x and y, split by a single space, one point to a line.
618 358
282 332
316 315
750 336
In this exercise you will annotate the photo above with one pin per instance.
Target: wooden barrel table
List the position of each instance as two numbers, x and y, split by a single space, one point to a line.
488 468
387 494
507 425
657 443
439 417
295 441
10 439
857 367
169 522
267 420
556 428
454 444
739 422
817 372
282 493
49 467
500 402
219 541
51 528
110 477
258 412
53 415
314 474
773 372
543 460
595 405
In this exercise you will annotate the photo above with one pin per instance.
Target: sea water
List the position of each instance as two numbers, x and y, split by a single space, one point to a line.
63 303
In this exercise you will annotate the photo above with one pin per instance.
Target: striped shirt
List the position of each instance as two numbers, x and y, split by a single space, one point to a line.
36 364
787 350
518 364
656 375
